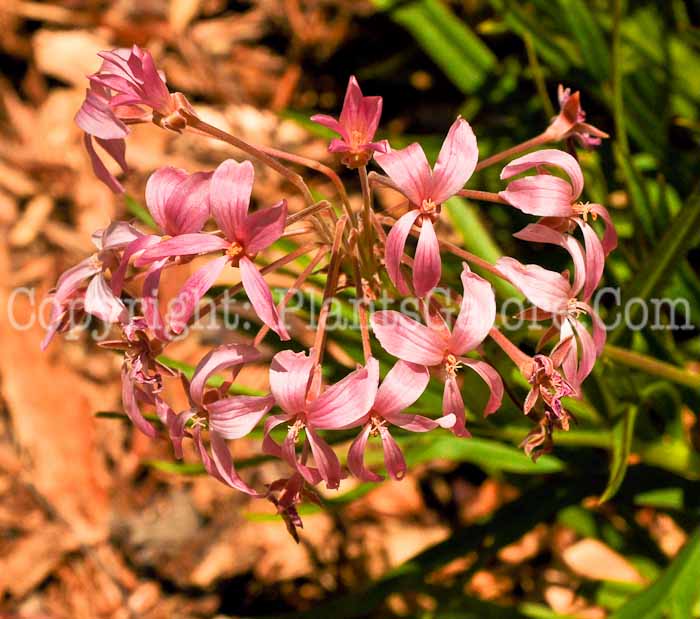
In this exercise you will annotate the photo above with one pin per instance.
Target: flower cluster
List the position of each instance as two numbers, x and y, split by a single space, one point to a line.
207 213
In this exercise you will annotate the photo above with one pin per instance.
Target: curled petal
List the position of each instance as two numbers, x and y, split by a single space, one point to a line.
595 258
139 244
419 423
220 464
456 161
185 303
477 313
492 378
174 423
610 234
548 290
182 245
221 358
407 339
409 170
99 168
356 457
290 373
131 407
231 186
542 194
325 459
427 266
95 117
401 387
332 124
551 157
260 297
346 402
395 246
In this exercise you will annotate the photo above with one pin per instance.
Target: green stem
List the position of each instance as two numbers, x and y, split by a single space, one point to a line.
616 73
652 366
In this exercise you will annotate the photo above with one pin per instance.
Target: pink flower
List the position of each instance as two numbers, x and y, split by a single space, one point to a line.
403 385
98 298
357 125
228 417
245 234
286 494
439 347
556 298
426 190
558 200
127 89
571 123
305 407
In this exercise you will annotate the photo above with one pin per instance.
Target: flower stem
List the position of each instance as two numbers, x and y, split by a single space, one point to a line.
538 140
517 356
652 366
484 196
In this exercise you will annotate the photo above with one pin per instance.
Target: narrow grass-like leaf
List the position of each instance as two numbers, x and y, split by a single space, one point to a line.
623 433
590 38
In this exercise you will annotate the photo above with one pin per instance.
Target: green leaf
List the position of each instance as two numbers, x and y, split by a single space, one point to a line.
591 42
139 211
622 436
675 591
448 41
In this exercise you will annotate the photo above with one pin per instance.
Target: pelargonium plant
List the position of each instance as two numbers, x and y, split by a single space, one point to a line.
208 213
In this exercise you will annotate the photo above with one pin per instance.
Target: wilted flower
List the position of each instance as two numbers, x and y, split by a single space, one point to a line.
426 190
245 234
570 124
306 408
127 89
403 385
437 346
356 126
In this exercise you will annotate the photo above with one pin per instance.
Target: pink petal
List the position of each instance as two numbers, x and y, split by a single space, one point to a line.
260 297
95 117
332 124
134 247
610 234
131 407
150 303
599 330
551 157
237 416
588 352
231 186
116 235
492 378
100 301
346 402
351 103
539 233
356 457
401 387
395 245
100 169
410 171
407 339
325 459
182 245
393 458
222 462
542 194
453 404
175 424
477 313
595 259
221 358
73 279
548 290
427 265
264 227
455 163
183 306
419 423
159 187
290 373
187 207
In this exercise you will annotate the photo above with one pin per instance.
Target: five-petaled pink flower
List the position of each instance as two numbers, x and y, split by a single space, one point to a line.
99 298
229 416
244 235
438 346
555 297
558 202
297 391
403 385
426 190
356 127
127 89
570 124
